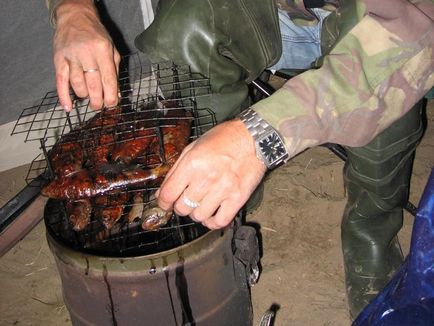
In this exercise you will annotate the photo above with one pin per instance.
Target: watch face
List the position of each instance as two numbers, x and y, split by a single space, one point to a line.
272 147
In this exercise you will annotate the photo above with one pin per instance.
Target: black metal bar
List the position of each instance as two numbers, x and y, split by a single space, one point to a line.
12 209
161 143
47 159
263 87
34 118
68 119
338 150
77 111
176 83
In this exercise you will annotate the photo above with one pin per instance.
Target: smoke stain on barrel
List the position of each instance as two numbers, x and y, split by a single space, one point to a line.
86 271
166 274
182 287
109 290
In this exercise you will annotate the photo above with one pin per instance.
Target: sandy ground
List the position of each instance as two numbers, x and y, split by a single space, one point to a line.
301 261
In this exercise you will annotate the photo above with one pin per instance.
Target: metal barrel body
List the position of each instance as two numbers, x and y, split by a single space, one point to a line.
199 283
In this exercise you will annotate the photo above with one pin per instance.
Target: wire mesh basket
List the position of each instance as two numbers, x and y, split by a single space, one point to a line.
139 84
154 99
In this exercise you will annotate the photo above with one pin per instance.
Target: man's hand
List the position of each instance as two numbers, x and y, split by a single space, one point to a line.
81 43
219 172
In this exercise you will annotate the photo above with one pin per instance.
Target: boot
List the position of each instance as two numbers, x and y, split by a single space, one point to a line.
229 41
377 178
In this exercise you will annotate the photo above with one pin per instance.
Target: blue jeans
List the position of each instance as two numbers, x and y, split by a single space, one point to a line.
301 45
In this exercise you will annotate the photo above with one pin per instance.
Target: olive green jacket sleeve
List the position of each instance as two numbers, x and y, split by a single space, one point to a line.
373 75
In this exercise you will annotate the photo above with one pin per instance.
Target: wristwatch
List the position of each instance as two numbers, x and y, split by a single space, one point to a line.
270 147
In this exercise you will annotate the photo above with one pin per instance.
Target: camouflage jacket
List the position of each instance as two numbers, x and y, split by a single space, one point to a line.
375 72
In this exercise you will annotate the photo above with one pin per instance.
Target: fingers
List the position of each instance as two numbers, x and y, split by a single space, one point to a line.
99 84
218 206
174 183
108 69
81 43
222 218
94 87
102 84
188 202
210 196
76 78
208 208
211 202
62 82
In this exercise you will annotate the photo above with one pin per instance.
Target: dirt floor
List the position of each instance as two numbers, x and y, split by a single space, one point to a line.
299 222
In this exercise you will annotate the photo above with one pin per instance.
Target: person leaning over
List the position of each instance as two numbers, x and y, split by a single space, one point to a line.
370 64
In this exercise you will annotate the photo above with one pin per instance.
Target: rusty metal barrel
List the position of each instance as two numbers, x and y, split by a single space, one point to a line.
199 283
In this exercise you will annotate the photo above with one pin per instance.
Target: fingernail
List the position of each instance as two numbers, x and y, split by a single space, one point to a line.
157 193
66 108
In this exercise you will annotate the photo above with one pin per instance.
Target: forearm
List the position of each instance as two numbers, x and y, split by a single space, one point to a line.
373 76
65 5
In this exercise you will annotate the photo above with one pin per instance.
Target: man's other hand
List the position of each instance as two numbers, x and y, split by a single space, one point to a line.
84 56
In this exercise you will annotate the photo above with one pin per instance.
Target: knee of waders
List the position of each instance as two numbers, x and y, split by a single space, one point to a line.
229 41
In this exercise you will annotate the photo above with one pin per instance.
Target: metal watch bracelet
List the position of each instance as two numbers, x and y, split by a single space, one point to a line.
254 123
257 128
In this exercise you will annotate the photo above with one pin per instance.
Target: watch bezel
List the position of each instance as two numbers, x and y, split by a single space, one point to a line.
263 156
260 129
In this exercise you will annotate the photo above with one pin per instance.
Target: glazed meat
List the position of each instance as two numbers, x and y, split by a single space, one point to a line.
66 156
116 152
133 144
176 133
99 135
136 210
106 118
85 183
109 209
96 136
137 135
155 217
98 149
79 213
176 136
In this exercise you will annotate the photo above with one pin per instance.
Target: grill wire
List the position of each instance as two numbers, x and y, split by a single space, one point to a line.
147 91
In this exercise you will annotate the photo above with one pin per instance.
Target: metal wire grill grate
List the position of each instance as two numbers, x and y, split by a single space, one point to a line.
139 85
153 98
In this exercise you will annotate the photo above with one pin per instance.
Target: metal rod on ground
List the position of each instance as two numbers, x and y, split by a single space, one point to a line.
18 228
